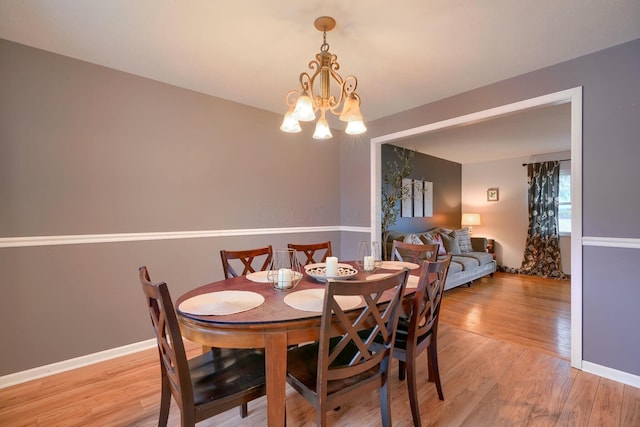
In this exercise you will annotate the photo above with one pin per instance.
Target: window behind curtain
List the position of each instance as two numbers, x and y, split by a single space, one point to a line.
564 198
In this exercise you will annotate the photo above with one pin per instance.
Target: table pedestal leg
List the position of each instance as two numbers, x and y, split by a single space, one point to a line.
276 376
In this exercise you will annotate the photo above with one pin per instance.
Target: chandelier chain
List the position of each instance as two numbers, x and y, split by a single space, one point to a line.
325 46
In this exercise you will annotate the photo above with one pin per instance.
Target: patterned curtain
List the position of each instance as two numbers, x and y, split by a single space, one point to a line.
542 253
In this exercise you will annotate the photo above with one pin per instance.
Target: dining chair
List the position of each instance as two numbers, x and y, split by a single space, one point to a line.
343 364
247 259
205 385
411 252
315 252
419 331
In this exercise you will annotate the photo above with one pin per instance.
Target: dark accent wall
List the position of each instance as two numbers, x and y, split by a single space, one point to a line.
446 177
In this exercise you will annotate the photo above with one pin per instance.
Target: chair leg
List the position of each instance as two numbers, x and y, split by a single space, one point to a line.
243 410
165 402
434 370
413 389
402 369
321 416
385 403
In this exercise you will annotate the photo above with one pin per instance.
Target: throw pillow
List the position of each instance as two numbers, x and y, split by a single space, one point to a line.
426 239
441 249
413 239
464 240
451 243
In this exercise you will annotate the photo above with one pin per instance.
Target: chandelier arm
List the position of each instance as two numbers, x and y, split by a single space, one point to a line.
333 62
290 100
307 82
350 84
346 87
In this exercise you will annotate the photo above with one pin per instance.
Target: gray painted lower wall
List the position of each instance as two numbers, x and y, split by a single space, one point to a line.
62 302
611 293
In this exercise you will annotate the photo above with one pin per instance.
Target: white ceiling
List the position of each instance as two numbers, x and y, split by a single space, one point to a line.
404 54
529 134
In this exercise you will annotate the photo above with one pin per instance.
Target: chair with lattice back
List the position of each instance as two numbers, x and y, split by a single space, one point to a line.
338 368
410 252
205 385
419 331
314 252
250 260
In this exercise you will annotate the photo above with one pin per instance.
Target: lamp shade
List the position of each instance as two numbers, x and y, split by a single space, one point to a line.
470 219
304 109
355 127
322 129
351 109
290 123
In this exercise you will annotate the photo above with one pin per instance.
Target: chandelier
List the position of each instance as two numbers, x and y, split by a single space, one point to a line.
304 103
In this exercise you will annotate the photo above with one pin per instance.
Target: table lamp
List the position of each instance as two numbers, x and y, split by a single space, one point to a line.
470 219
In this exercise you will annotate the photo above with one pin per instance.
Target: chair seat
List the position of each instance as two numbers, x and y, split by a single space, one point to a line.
402 334
223 372
302 367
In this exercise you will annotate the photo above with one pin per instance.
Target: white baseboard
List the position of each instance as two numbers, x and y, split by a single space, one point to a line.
77 362
612 374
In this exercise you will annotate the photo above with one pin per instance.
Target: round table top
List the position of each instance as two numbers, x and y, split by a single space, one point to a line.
274 309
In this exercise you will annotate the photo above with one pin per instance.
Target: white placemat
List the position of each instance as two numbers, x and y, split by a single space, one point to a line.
412 281
259 276
378 276
221 303
263 276
312 299
398 265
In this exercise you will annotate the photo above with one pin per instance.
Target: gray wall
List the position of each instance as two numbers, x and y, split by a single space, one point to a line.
611 125
446 177
355 191
84 149
89 150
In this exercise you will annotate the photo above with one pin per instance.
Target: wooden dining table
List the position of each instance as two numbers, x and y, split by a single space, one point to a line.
273 325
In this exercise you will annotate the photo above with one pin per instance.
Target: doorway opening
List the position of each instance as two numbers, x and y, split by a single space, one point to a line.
572 96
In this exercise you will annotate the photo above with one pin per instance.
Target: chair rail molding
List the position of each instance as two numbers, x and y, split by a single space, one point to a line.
612 242
78 239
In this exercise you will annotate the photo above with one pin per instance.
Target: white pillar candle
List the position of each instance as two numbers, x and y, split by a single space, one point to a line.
284 278
331 269
368 263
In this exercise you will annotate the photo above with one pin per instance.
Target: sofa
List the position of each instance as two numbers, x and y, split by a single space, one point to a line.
470 259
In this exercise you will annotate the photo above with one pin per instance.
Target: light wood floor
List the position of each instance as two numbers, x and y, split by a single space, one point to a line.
503 351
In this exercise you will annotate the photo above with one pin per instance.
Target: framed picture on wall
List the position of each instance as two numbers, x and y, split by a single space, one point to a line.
428 198
493 194
418 198
406 204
